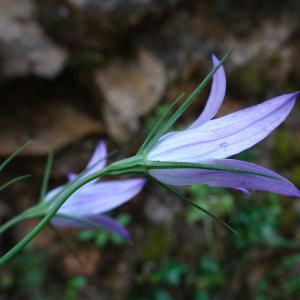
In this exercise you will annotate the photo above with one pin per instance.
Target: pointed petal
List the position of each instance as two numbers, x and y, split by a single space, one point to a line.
52 193
225 136
96 221
216 97
111 224
101 197
229 179
72 176
98 159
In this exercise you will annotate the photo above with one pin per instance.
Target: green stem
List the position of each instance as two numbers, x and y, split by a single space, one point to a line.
30 213
39 227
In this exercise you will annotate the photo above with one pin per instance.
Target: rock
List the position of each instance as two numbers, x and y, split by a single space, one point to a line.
50 125
129 12
188 38
98 24
24 47
131 89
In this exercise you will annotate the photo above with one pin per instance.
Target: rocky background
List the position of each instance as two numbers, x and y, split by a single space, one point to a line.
75 71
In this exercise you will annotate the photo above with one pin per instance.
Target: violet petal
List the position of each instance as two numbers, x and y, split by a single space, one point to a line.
100 221
72 176
280 185
102 196
225 136
216 96
98 159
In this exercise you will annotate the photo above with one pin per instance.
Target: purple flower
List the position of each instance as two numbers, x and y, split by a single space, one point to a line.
212 141
85 208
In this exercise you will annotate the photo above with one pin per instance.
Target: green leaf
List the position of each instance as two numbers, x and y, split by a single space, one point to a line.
185 199
12 181
13 155
154 134
46 176
30 213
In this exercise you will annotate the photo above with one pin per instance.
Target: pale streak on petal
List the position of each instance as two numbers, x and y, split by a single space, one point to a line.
225 136
216 96
179 177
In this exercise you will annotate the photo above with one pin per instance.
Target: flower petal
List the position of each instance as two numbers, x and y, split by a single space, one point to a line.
216 97
101 197
225 136
98 159
72 176
52 193
229 179
97 221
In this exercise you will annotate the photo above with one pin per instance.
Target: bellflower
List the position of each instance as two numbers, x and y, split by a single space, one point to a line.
86 206
213 141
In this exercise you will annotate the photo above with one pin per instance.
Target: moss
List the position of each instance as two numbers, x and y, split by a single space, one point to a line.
295 175
157 245
286 148
274 58
294 79
88 58
252 79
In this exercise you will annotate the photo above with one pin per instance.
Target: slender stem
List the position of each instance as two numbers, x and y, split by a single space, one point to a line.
12 181
32 212
46 219
12 222
13 155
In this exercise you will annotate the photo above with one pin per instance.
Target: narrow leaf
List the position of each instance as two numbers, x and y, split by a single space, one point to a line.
12 181
13 155
185 199
45 182
156 128
165 127
17 219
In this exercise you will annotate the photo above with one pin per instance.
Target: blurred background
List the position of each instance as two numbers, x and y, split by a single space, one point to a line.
75 71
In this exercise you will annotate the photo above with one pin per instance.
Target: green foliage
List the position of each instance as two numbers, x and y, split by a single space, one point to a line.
157 245
259 223
31 268
171 273
154 118
218 201
73 287
208 271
